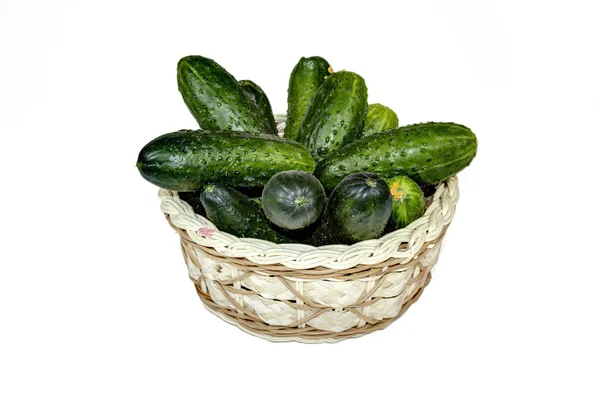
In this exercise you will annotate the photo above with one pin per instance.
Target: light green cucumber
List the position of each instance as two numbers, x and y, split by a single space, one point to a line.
408 202
379 118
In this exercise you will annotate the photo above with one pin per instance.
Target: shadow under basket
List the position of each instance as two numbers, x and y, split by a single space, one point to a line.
297 292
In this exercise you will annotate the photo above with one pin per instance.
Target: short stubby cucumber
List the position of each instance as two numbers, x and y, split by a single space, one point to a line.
235 213
408 202
379 118
306 78
216 99
259 97
358 209
427 153
187 160
336 116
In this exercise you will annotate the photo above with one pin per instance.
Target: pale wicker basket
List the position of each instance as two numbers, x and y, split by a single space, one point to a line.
296 292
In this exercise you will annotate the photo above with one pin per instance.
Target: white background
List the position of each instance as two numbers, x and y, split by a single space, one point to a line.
95 302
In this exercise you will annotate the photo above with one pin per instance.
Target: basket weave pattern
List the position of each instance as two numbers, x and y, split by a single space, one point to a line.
299 292
285 292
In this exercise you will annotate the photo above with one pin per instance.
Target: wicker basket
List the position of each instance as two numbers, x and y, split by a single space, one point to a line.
296 292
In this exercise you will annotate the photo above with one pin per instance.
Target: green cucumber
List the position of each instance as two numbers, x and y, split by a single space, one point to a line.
427 153
379 118
293 199
358 209
235 213
306 78
259 97
187 160
408 202
216 99
336 116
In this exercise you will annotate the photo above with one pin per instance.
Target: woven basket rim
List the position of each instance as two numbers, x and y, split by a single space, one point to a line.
425 229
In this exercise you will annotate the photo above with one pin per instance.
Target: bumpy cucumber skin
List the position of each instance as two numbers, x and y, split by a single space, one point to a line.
235 213
306 78
281 195
187 160
259 97
379 118
358 209
408 202
427 153
216 99
336 116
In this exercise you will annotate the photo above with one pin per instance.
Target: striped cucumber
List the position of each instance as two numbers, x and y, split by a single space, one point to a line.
408 202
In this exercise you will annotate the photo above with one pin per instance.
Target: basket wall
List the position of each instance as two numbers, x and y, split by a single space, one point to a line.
285 292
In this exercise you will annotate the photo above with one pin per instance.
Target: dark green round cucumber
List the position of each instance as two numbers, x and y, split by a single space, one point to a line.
216 99
306 78
379 118
427 153
259 97
187 160
358 209
235 213
408 202
336 116
293 199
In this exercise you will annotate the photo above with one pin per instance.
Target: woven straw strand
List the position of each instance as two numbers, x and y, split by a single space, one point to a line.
300 256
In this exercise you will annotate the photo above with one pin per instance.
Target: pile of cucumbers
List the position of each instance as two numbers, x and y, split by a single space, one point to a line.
342 172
